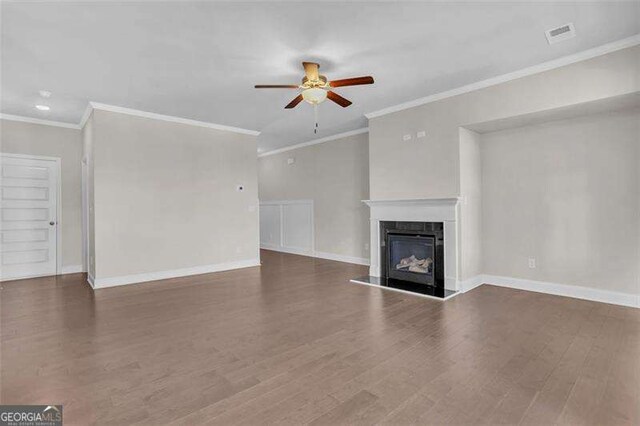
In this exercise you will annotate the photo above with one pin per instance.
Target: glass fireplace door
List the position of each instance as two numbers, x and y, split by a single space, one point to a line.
411 258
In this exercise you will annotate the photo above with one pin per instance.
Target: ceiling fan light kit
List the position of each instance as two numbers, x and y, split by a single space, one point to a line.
314 95
315 88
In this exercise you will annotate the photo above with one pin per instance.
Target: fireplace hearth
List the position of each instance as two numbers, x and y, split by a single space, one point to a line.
411 258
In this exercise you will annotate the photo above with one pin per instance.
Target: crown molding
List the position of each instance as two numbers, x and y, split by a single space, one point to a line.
172 119
31 120
536 69
104 107
85 116
316 141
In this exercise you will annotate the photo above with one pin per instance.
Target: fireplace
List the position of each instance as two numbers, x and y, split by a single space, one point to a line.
414 246
411 257
412 252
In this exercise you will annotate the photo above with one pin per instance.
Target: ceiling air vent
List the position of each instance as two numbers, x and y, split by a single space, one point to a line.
564 32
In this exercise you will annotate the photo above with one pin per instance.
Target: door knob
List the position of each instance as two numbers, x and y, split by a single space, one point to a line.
52 223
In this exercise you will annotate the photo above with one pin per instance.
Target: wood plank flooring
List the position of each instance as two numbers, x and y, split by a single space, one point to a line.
293 342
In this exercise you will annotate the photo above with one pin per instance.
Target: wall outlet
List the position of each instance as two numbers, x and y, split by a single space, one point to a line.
366 246
532 262
291 160
421 134
406 137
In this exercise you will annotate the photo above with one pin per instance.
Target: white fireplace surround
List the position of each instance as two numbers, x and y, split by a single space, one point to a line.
444 210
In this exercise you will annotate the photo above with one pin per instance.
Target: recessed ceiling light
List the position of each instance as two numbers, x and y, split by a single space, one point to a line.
43 107
45 93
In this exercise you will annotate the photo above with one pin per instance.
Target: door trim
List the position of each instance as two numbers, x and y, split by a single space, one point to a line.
84 184
58 162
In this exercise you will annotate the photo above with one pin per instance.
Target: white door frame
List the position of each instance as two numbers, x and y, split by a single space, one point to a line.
58 162
85 214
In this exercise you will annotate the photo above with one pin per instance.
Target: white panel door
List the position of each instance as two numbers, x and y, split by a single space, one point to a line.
28 216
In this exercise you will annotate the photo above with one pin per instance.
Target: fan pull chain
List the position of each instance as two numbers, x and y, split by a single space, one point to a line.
315 115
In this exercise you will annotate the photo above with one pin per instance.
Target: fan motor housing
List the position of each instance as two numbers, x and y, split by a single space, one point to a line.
321 82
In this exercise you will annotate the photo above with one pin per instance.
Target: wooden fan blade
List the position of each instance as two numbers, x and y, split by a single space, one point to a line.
276 86
311 70
294 102
356 81
338 99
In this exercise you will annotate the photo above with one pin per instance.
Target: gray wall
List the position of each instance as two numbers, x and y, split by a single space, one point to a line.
568 194
66 144
471 205
165 195
335 175
89 215
430 167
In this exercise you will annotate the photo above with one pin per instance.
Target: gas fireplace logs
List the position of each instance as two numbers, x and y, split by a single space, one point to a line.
413 264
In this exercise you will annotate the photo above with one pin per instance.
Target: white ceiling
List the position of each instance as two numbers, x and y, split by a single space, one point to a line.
201 60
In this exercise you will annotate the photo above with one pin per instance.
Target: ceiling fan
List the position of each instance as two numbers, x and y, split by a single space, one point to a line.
315 88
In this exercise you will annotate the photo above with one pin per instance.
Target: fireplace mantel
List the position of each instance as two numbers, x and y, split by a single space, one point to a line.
444 210
413 202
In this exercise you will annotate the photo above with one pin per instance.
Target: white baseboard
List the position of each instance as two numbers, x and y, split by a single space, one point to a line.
342 258
318 254
290 250
163 275
72 269
471 283
27 277
91 281
577 292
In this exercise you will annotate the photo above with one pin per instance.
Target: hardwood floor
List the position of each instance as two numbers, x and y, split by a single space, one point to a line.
294 342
